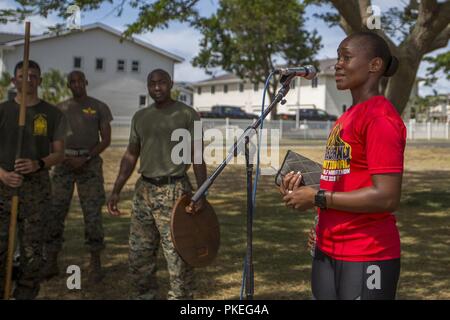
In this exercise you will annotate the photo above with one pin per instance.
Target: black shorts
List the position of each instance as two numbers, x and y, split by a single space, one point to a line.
343 280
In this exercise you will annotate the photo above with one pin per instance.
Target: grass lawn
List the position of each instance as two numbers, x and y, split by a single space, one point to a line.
281 261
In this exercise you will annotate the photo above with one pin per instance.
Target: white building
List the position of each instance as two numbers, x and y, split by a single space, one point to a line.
185 92
116 70
320 93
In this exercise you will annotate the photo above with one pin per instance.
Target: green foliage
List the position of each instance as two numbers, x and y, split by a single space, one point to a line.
247 37
175 94
159 13
398 24
421 105
5 83
54 87
43 8
439 63
244 34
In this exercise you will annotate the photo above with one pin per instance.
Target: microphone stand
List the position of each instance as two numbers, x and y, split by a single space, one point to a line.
245 137
249 284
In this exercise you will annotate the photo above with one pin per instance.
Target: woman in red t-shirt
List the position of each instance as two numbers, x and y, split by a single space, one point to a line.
357 254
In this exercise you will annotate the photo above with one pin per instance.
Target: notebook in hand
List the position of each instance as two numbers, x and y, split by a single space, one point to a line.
309 169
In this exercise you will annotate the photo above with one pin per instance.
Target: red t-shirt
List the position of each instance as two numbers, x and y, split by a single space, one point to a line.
368 139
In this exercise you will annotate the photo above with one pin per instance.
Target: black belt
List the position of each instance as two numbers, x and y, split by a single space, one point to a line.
159 181
76 152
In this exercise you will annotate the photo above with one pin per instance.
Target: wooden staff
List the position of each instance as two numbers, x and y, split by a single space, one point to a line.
15 199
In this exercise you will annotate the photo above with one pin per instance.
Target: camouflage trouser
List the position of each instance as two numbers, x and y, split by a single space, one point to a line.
150 223
33 205
91 191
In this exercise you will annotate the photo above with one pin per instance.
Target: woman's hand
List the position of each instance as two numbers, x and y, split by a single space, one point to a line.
301 198
294 194
290 182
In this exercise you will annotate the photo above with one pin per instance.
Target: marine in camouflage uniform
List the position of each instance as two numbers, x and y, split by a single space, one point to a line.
90 187
87 118
43 145
150 226
161 183
33 204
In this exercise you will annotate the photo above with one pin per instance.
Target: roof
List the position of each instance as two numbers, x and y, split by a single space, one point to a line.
183 85
326 67
104 27
224 78
7 37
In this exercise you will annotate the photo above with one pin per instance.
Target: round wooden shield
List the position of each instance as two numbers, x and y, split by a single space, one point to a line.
196 236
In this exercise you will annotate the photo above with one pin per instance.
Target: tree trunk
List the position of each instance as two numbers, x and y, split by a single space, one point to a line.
399 87
430 32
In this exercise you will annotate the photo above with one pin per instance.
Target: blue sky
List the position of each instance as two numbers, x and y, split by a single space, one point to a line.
183 40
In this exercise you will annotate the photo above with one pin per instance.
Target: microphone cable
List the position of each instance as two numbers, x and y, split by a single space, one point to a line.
255 182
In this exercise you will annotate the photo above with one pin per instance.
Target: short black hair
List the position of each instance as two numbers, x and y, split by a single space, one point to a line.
378 47
71 73
161 72
31 65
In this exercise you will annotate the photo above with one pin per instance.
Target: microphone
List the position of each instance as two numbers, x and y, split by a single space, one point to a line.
308 72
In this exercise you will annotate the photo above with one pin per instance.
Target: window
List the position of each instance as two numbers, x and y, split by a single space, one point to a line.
183 98
256 87
142 100
225 88
199 90
314 82
135 66
241 87
120 65
99 64
77 62
213 89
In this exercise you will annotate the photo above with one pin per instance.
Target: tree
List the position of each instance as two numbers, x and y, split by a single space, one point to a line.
5 84
421 107
420 28
54 87
242 37
175 93
412 32
246 37
441 62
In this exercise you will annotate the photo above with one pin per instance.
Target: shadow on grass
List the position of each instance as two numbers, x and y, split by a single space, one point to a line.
281 261
424 223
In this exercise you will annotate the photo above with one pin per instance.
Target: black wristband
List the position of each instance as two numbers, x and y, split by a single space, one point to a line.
41 164
320 200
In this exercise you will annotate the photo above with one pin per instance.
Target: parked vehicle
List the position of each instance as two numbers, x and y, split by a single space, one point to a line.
310 115
231 112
